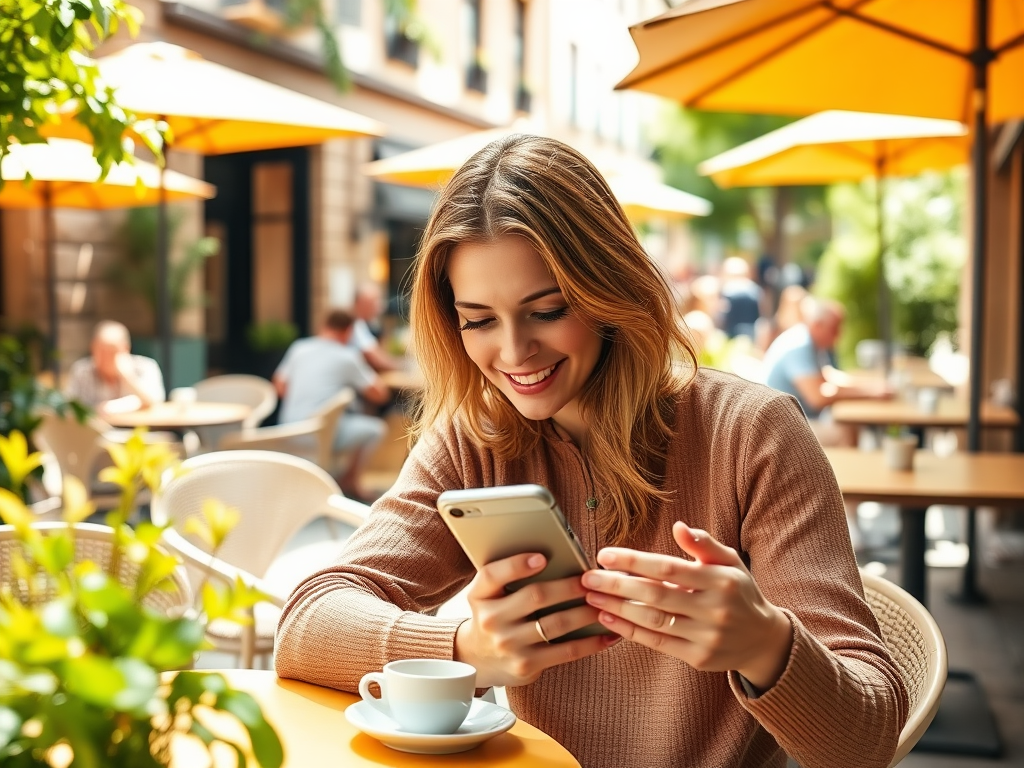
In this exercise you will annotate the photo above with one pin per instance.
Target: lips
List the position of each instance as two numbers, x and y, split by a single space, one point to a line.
532 383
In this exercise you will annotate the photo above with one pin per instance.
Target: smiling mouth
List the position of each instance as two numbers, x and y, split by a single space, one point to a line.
532 378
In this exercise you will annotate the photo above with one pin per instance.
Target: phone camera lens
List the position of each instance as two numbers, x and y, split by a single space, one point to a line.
456 512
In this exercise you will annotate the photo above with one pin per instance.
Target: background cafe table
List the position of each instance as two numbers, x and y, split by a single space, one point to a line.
967 479
170 415
311 723
951 412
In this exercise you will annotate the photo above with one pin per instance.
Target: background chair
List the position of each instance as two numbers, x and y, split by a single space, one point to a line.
254 391
277 495
312 438
918 650
95 543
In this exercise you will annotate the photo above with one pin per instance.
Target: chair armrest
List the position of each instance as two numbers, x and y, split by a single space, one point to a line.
215 567
266 437
347 510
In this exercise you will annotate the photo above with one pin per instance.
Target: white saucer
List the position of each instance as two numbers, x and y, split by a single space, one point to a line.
485 721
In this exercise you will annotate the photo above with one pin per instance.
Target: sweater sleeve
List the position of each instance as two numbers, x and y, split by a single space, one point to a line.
374 604
840 699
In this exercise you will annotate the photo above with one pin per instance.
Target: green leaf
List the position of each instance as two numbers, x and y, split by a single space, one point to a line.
58 618
266 744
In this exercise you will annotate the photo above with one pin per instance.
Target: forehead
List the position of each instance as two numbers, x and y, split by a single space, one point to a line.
508 266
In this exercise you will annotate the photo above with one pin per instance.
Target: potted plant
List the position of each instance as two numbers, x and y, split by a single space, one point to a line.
899 447
135 272
88 674
269 340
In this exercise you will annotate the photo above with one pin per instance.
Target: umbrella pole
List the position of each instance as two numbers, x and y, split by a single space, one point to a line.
162 287
884 308
51 288
979 155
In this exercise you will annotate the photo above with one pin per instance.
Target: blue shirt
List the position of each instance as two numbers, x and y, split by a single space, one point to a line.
793 356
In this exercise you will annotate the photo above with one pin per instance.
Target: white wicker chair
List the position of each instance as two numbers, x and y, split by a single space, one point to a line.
277 495
254 391
312 438
95 543
916 646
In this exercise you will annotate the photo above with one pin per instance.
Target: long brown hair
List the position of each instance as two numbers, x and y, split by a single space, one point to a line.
549 194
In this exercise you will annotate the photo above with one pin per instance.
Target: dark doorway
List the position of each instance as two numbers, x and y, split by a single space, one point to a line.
261 279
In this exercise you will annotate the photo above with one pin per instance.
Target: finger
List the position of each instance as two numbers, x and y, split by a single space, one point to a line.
657 567
648 616
555 625
654 639
492 579
545 594
704 547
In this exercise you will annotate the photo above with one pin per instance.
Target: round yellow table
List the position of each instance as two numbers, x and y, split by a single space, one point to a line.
311 723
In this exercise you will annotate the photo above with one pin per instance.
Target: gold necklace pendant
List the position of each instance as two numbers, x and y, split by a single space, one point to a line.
591 503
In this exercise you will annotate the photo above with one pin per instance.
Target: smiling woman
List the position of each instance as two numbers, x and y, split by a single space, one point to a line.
737 627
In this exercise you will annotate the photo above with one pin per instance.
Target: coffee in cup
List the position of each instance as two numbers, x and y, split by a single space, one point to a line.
423 695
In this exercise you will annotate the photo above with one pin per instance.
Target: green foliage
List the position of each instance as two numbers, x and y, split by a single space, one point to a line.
135 272
924 259
44 65
683 138
22 397
271 335
82 657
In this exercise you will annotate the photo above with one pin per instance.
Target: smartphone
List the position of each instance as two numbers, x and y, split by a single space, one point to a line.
494 523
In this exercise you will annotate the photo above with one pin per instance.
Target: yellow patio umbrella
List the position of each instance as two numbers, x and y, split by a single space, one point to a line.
432 166
63 173
838 146
213 109
954 59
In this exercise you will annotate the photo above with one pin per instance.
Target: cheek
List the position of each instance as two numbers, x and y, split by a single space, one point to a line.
475 349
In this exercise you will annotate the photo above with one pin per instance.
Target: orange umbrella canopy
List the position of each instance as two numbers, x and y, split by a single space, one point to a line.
214 109
841 146
434 165
905 57
62 173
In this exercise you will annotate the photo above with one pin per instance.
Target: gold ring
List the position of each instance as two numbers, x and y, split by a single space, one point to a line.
540 631
672 621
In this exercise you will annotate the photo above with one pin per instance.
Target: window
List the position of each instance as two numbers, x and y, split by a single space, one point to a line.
397 44
523 96
472 46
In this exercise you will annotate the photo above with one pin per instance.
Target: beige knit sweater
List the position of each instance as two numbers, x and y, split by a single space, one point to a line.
744 466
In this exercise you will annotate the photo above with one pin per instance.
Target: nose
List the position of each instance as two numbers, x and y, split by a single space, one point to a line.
517 347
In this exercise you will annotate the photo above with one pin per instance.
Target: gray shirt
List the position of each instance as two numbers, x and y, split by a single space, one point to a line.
793 356
316 369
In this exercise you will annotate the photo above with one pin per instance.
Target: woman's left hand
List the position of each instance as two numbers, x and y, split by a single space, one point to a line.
709 613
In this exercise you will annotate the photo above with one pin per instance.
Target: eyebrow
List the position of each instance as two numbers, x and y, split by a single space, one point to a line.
532 297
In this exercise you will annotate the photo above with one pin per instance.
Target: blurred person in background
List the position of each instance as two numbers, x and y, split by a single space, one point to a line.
742 299
768 329
367 309
802 363
112 378
312 371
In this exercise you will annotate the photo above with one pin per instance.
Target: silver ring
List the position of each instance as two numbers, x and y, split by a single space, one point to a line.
540 631
672 621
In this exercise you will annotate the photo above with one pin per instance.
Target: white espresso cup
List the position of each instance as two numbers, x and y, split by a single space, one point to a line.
423 695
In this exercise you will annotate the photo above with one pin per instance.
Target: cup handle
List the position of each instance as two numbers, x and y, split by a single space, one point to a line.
380 704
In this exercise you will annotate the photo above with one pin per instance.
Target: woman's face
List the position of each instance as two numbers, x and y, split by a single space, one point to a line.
519 331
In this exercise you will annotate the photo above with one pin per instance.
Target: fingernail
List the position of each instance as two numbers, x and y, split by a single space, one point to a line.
606 618
535 561
596 598
591 580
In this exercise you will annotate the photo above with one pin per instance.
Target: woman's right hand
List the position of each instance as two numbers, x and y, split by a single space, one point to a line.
501 639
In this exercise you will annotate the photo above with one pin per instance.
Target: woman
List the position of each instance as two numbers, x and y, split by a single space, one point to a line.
546 337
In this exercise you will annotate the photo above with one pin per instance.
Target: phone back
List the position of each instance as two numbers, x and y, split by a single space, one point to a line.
495 523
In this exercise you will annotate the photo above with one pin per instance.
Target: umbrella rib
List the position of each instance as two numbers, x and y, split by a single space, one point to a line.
715 47
695 100
898 31
1013 43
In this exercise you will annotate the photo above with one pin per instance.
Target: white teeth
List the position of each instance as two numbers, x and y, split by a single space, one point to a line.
533 378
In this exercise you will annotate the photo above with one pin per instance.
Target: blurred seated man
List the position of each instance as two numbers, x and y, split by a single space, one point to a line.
367 308
801 362
313 371
111 378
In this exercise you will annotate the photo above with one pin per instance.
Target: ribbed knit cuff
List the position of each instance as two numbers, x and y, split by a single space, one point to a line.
415 636
800 691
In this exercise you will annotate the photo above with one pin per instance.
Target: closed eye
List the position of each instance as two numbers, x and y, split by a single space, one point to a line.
470 325
555 314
